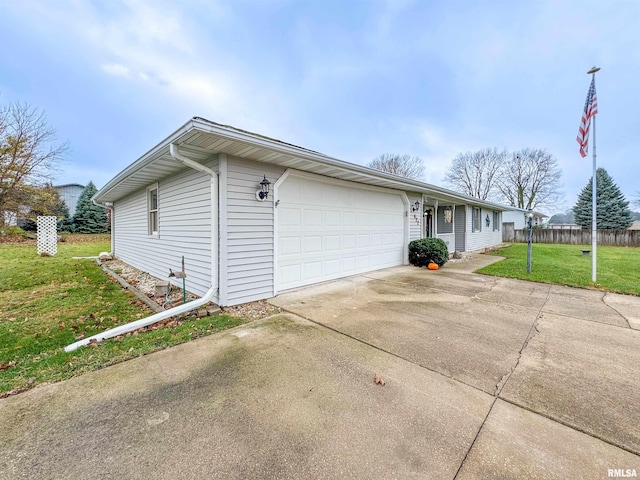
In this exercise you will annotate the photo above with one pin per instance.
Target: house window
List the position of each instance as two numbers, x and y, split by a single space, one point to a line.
496 221
476 219
152 208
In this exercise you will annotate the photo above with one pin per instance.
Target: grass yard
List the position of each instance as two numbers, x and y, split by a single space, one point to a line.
618 268
47 303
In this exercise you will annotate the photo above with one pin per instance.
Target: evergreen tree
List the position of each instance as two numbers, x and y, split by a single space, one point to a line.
65 222
89 218
612 210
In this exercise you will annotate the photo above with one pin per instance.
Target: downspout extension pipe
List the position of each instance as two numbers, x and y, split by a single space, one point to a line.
144 322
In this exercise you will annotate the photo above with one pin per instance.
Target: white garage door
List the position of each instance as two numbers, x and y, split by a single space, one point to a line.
330 229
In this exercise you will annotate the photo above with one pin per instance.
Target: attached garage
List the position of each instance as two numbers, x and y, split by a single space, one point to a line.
328 228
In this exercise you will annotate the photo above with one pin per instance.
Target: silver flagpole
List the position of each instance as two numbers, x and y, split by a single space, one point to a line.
594 222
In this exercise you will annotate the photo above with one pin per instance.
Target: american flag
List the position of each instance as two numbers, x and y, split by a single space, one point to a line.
590 109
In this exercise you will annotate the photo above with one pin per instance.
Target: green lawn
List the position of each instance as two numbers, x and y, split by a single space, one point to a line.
47 303
618 268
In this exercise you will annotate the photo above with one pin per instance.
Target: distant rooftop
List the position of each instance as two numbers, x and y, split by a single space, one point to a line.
69 185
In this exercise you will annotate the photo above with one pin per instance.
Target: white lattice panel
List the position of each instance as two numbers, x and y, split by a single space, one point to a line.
47 235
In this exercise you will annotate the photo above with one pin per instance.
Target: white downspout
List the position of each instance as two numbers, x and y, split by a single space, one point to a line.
143 322
175 153
211 293
108 206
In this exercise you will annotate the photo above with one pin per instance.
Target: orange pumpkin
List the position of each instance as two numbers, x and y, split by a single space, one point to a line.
432 266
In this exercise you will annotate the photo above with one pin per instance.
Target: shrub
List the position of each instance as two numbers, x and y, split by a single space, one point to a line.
426 250
11 231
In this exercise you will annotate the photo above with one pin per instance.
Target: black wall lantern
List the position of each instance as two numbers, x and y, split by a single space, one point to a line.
263 193
416 206
487 220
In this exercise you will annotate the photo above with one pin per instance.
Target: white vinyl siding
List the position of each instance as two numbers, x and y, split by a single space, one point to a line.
250 231
488 237
184 228
415 218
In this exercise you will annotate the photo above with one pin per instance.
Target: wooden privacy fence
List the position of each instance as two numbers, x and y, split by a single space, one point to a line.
615 238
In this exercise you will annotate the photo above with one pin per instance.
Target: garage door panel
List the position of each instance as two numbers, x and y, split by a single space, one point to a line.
331 243
290 274
327 231
312 244
312 217
290 245
348 219
312 271
348 242
289 216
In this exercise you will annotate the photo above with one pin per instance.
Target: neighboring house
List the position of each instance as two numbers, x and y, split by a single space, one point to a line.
10 218
70 193
518 216
635 225
197 194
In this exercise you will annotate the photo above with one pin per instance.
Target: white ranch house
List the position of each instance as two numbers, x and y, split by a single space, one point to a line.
196 194
518 216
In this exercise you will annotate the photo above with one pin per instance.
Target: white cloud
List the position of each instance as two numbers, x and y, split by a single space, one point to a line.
116 70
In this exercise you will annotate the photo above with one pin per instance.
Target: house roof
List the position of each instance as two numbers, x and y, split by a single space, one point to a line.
68 185
524 210
200 139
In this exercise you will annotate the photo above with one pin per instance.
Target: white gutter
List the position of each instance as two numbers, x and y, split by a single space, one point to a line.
143 322
211 293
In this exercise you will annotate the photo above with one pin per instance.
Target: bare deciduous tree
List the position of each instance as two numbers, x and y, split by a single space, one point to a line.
530 178
476 173
401 165
29 156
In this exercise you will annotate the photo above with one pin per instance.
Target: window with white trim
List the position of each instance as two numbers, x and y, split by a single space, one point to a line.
152 209
476 219
496 221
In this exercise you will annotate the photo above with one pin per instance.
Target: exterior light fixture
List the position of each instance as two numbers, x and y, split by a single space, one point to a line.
263 193
416 206
487 220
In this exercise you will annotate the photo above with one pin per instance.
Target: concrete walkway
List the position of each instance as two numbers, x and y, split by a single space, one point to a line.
484 378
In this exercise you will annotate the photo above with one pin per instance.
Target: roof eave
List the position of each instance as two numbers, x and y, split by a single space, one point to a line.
207 126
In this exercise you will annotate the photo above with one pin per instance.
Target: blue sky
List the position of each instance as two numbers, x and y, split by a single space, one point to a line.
351 79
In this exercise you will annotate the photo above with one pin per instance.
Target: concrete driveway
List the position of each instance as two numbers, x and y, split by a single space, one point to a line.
484 378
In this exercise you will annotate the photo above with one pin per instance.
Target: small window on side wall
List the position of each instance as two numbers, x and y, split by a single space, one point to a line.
476 219
496 221
152 209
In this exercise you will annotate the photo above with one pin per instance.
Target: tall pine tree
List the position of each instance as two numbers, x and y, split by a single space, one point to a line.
89 217
612 211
